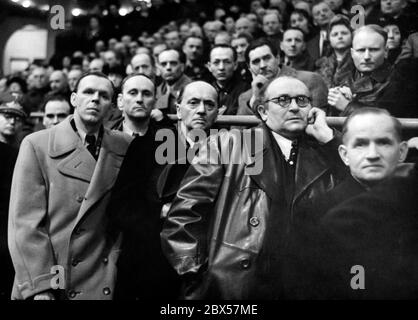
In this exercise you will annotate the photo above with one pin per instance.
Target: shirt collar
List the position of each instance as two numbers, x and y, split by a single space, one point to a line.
284 144
132 133
82 134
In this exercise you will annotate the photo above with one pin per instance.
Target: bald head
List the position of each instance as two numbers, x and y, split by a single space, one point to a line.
58 81
243 25
197 106
143 63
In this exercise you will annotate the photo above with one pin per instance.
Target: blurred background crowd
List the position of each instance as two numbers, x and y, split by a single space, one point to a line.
123 37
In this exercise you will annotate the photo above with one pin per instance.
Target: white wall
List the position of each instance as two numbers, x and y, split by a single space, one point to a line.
29 42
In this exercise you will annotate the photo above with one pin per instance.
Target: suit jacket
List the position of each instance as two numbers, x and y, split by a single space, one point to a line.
166 101
313 81
303 62
313 48
57 214
228 95
216 228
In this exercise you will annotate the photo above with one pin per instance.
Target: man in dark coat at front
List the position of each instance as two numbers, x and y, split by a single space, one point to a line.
134 207
228 228
192 120
373 153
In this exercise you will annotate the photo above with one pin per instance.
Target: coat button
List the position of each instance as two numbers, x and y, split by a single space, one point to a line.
245 263
75 262
72 294
106 291
105 260
80 198
79 231
254 221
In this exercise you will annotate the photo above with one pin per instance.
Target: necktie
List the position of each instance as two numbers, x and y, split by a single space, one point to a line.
91 145
293 153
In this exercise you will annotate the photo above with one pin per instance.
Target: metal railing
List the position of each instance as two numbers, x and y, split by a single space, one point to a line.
239 120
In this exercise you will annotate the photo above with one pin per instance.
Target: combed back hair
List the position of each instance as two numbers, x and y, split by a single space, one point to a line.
97 74
56 97
303 13
372 28
297 29
192 37
338 20
245 35
182 56
259 43
181 93
225 46
122 85
376 111
317 2
151 58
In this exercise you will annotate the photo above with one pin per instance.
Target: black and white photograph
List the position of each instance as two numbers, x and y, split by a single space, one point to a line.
209 158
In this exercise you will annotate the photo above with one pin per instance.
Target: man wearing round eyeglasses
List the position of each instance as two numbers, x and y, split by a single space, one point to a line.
11 121
227 232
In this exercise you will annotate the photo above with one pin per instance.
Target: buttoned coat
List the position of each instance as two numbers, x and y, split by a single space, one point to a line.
57 214
216 228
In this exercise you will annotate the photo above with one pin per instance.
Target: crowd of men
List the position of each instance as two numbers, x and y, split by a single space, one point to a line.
104 197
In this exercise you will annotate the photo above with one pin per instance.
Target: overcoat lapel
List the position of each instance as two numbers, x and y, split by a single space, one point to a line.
268 178
64 141
105 172
309 167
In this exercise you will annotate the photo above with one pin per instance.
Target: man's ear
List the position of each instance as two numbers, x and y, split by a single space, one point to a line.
352 52
178 111
73 99
403 150
262 111
119 102
281 45
342 150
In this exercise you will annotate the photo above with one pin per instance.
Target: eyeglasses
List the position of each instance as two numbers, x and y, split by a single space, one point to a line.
285 101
